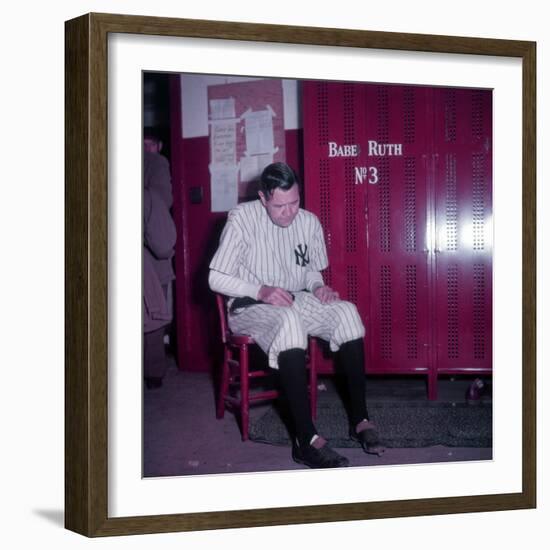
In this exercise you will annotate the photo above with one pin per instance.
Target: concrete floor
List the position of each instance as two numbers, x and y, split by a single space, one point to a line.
183 437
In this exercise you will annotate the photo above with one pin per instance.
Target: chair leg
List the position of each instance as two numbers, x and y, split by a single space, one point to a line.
243 360
224 385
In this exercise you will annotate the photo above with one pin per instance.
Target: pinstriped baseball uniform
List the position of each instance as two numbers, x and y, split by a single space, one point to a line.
253 251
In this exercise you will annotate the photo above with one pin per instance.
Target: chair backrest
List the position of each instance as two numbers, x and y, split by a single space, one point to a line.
222 313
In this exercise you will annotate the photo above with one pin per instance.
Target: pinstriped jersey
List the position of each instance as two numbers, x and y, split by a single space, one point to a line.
255 250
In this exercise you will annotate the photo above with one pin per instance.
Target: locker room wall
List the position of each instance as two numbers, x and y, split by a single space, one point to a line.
198 228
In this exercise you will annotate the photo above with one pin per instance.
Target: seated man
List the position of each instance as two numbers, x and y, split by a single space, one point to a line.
269 260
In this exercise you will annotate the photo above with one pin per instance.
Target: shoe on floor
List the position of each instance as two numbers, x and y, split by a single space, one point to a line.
368 437
322 457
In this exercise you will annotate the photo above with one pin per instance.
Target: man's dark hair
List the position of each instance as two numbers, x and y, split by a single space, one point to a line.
278 175
149 132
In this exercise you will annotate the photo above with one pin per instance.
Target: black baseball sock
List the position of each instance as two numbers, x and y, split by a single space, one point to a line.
293 380
351 356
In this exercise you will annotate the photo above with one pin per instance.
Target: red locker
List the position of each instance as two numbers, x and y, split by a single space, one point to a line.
396 217
463 230
392 171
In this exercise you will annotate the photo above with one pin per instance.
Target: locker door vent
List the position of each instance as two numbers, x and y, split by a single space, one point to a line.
349 113
411 313
349 205
452 312
324 214
322 113
385 312
383 114
327 276
352 283
451 203
479 298
477 115
385 204
384 168
324 196
409 115
450 115
478 201
410 204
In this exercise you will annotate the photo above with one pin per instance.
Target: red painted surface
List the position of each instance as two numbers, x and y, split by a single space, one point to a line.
197 330
396 215
426 303
254 95
198 231
463 220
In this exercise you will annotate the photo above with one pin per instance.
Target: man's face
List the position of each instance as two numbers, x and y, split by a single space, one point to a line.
282 207
152 145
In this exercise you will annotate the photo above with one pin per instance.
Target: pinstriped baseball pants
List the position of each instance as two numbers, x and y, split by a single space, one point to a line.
278 328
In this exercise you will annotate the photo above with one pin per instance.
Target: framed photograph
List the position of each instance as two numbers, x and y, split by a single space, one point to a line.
108 490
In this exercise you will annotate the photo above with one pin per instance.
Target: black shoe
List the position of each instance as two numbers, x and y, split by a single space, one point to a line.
475 391
325 457
369 439
153 382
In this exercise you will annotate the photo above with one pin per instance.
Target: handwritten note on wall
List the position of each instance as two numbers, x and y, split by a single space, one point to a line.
246 134
223 136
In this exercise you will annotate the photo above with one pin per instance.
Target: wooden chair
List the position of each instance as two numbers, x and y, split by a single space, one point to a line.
236 372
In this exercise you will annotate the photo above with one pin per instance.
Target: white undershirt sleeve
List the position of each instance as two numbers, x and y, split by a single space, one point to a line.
313 280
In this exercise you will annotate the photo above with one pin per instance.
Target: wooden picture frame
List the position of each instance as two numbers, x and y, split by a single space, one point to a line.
86 279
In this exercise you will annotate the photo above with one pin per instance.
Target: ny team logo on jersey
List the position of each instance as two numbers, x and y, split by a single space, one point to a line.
302 257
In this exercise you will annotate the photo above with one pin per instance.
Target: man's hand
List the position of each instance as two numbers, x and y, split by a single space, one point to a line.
325 294
275 296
